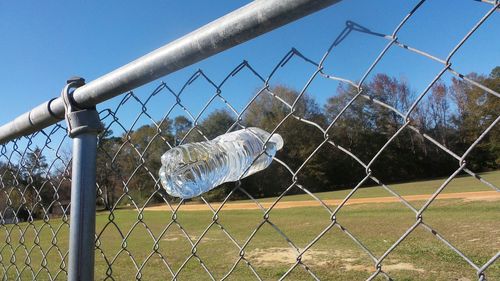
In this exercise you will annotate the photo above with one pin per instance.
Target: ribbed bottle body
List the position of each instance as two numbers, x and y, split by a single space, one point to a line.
192 169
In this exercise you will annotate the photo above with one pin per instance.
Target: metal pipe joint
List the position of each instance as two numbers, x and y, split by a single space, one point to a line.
79 121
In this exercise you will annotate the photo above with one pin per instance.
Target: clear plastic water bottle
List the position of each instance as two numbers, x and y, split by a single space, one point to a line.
195 168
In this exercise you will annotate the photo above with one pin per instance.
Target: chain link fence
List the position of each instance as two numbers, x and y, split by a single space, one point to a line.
144 234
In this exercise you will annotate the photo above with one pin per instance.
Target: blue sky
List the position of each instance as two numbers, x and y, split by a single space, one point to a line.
45 42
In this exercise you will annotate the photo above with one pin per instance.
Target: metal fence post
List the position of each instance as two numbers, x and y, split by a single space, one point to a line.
83 127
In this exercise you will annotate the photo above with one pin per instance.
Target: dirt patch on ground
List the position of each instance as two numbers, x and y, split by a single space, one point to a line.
385 267
401 266
177 237
466 196
170 239
357 267
346 259
494 196
273 255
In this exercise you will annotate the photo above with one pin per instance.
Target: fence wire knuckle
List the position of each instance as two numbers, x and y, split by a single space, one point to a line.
35 177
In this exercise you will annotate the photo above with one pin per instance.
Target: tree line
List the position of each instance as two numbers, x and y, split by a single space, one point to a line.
452 114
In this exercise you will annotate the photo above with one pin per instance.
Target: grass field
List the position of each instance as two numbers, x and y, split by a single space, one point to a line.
472 226
459 184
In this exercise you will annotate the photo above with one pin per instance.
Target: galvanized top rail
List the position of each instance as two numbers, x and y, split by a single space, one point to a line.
239 26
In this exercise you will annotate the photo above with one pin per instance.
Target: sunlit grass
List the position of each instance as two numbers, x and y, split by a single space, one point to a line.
126 244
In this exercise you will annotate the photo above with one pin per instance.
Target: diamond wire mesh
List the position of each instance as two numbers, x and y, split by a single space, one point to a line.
35 195
35 206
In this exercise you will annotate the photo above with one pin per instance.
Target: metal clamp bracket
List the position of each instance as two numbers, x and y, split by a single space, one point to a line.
79 121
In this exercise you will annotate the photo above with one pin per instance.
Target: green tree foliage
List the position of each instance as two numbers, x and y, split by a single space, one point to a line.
217 123
365 126
453 115
181 127
29 190
477 110
300 138
10 200
109 171
495 73
129 164
33 174
141 156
